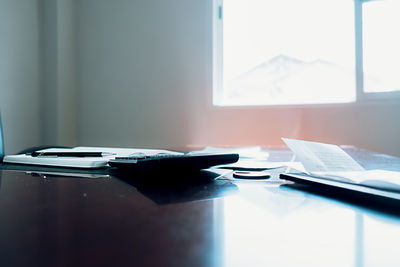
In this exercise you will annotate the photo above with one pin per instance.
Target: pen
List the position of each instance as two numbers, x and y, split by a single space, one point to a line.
69 154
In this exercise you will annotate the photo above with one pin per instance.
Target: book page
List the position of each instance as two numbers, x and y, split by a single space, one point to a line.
320 157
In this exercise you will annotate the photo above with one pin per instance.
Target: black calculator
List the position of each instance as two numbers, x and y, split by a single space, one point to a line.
173 162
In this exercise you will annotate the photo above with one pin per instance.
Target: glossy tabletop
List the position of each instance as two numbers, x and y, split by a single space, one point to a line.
51 218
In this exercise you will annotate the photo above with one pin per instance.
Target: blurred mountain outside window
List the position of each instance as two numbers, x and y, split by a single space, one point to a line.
285 52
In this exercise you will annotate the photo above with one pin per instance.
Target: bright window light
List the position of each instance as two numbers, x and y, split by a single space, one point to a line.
381 43
278 52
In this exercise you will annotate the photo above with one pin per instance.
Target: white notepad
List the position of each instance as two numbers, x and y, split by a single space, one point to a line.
82 162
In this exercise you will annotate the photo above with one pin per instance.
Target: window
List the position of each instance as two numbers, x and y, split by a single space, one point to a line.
381 43
284 52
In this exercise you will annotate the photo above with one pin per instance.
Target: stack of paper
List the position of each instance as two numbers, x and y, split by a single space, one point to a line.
83 162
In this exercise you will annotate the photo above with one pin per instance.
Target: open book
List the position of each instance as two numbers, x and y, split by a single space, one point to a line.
380 179
330 162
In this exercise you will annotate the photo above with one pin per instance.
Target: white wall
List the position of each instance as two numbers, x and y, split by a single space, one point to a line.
145 80
141 69
20 90
59 71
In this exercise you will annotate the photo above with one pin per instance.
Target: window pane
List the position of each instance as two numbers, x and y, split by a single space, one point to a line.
381 42
288 52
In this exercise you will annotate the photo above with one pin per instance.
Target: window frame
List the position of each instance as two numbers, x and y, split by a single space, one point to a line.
361 96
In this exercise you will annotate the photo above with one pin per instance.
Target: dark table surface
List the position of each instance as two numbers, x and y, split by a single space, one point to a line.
51 218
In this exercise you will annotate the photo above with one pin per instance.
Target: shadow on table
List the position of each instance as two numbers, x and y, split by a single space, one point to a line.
168 188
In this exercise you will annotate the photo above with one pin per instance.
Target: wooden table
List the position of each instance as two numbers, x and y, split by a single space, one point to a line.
50 219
